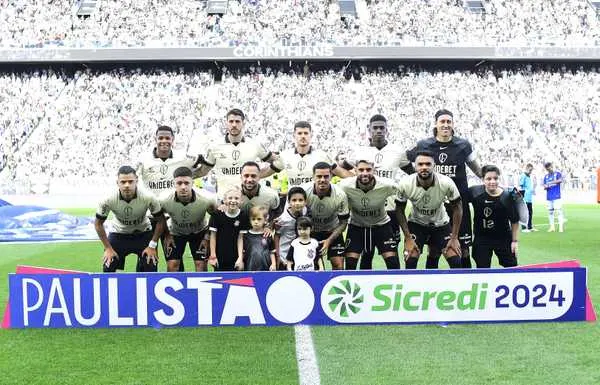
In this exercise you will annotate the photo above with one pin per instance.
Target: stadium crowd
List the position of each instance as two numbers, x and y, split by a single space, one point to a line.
312 22
88 124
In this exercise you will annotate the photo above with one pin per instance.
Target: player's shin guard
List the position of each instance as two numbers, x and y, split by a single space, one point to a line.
351 263
392 263
454 262
432 262
366 260
411 263
551 218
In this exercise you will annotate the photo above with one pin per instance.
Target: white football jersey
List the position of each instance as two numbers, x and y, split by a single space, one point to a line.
286 228
428 204
156 175
303 254
299 167
367 209
187 218
130 216
227 158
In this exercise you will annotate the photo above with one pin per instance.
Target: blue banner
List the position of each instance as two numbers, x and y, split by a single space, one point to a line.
287 298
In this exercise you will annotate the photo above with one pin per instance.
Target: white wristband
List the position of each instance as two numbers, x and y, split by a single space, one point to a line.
152 244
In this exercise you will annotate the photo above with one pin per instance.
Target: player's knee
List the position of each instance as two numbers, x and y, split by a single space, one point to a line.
173 265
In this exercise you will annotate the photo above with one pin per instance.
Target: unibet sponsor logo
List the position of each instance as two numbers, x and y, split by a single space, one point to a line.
345 298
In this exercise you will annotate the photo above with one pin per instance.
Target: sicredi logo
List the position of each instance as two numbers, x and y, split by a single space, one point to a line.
282 51
447 297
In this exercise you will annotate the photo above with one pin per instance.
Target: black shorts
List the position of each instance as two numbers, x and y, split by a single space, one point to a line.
465 233
484 247
337 247
199 253
125 244
435 237
395 226
364 239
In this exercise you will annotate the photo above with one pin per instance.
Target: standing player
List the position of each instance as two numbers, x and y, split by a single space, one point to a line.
156 168
526 190
496 221
552 182
370 225
388 160
299 161
428 222
328 205
229 153
187 208
132 232
451 154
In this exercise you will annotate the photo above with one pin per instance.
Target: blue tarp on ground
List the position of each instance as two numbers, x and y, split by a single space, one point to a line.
35 223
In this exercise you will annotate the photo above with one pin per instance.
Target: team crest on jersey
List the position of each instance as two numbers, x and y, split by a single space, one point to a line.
443 157
164 169
426 199
320 208
236 223
128 211
301 165
185 214
487 211
378 158
235 155
365 202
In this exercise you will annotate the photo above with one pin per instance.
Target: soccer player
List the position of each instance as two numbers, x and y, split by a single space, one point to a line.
299 161
328 205
552 182
255 251
285 224
155 169
132 232
526 190
187 207
389 159
255 194
370 225
303 254
227 155
428 222
451 154
225 227
496 221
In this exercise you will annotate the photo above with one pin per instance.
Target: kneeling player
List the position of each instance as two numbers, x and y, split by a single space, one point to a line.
496 219
428 222
187 208
132 232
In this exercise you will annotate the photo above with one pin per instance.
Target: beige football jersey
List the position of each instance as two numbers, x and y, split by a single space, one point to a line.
299 167
227 159
327 211
387 162
187 218
428 204
368 209
130 216
266 197
156 174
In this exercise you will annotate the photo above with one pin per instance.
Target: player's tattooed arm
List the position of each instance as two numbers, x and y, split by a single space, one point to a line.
109 252
475 167
457 213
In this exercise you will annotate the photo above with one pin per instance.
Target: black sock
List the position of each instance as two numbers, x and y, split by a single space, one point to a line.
181 268
351 263
454 262
465 262
366 260
411 263
392 262
432 263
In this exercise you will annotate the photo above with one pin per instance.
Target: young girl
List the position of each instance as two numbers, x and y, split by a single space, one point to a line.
256 252
225 227
303 254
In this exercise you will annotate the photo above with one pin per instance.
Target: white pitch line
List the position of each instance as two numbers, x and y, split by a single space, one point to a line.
308 367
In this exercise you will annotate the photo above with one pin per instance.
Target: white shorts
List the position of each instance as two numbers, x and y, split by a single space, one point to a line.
555 204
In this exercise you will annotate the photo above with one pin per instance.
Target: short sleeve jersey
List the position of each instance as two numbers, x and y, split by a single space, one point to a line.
156 174
327 211
304 254
367 209
130 216
187 218
299 166
428 204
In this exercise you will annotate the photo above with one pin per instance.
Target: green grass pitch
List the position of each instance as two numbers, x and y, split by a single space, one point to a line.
520 353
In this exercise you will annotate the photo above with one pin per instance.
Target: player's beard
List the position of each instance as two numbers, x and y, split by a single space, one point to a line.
425 175
366 180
